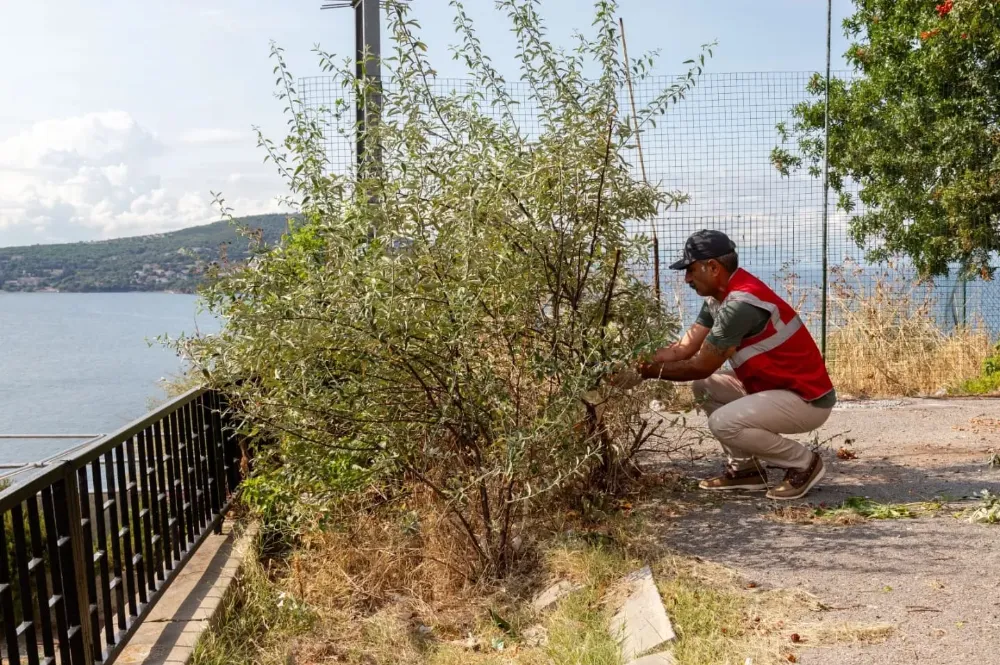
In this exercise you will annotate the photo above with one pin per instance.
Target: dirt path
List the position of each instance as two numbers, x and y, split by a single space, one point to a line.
934 578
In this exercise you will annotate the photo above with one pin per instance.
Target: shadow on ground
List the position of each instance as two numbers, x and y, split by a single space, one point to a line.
932 577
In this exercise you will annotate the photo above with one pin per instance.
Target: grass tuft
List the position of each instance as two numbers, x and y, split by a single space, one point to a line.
988 510
256 622
821 634
854 510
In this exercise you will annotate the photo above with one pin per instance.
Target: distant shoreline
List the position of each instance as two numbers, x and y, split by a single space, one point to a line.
172 292
175 262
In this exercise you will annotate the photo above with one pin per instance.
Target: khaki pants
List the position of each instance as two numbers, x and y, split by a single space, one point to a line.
749 426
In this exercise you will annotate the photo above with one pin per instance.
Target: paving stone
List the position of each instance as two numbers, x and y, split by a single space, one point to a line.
641 624
553 595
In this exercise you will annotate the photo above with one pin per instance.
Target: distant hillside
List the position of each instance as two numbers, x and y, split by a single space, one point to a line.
172 261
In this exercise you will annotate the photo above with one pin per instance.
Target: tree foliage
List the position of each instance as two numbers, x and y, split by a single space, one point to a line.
917 129
435 319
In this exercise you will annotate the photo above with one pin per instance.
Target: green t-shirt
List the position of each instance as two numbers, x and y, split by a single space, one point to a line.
733 322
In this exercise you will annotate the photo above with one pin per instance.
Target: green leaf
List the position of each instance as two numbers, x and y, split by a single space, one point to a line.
500 622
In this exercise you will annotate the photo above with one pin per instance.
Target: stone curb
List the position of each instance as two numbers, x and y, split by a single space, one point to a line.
193 603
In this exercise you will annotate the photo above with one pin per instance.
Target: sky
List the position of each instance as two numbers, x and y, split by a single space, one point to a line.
120 118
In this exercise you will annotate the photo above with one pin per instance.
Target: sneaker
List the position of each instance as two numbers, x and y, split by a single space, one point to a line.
736 479
798 482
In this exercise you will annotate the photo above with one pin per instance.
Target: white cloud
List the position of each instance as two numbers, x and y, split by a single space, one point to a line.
212 135
96 138
90 177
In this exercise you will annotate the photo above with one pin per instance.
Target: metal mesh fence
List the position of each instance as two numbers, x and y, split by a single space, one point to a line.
715 146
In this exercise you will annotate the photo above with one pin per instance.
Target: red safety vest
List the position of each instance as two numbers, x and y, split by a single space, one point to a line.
783 356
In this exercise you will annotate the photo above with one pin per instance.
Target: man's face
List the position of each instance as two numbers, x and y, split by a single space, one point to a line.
705 277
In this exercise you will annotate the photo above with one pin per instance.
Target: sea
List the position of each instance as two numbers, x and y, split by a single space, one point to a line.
85 363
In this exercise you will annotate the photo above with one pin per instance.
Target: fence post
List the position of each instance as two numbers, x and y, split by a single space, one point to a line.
826 180
76 589
965 300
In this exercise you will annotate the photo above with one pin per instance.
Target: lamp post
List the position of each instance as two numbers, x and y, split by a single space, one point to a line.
368 64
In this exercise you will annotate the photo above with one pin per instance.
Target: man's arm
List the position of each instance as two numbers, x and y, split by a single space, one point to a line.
701 365
685 348
732 323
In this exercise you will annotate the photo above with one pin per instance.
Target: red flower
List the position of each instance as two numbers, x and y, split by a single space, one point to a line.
927 34
965 35
944 8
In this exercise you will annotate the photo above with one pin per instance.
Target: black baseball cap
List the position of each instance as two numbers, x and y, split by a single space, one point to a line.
703 245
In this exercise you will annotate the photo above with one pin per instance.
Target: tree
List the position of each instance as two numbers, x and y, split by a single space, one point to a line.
434 321
917 129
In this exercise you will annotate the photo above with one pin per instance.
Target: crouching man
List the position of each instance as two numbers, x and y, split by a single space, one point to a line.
779 384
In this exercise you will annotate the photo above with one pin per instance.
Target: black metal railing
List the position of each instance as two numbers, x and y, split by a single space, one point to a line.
88 545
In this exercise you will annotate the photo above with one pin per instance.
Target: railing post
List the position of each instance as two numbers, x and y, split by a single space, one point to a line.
214 440
77 600
7 598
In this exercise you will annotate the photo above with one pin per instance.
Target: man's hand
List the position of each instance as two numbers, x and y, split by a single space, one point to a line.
676 363
703 364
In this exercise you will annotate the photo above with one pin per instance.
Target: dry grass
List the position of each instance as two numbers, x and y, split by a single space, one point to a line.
884 340
821 634
808 515
869 358
376 594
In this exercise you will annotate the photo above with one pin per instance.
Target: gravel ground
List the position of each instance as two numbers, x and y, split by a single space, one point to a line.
934 578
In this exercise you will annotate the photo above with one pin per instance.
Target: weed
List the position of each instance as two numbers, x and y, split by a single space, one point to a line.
872 509
988 511
993 461
711 623
854 510
989 379
258 620
980 385
578 632
818 445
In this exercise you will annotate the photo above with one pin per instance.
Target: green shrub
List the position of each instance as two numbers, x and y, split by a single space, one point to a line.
989 381
435 319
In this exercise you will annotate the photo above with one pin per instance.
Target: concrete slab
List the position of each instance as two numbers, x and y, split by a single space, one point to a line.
665 658
641 624
553 595
174 626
